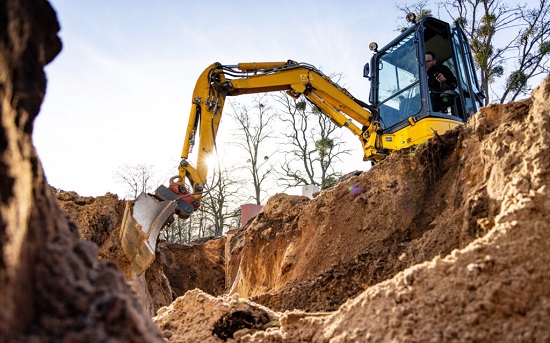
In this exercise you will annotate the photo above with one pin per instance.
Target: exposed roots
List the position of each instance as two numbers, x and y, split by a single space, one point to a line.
430 156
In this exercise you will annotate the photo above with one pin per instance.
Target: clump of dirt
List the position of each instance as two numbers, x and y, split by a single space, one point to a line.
96 218
227 317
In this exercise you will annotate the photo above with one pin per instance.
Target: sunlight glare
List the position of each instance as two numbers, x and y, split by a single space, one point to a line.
212 162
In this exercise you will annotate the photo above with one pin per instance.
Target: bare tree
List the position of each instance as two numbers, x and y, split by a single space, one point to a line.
312 145
202 223
509 41
532 46
198 225
218 212
419 8
252 137
524 33
138 179
179 231
221 204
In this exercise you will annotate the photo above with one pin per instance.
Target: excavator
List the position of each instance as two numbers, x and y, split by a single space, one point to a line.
399 115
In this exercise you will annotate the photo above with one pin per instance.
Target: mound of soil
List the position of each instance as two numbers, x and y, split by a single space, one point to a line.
411 208
446 243
176 269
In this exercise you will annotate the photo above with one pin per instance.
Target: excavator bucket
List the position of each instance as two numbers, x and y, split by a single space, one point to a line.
143 219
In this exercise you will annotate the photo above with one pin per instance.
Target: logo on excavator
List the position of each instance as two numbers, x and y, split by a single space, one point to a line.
304 77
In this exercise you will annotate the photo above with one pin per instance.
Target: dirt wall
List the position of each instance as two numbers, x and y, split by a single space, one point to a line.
53 286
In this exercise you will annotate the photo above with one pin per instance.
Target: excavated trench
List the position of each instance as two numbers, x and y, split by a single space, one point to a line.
445 242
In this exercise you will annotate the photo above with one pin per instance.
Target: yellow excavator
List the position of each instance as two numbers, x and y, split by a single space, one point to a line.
400 115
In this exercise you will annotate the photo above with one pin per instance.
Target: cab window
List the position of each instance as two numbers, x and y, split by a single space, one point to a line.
398 89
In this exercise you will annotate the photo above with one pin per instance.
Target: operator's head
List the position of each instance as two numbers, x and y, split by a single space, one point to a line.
430 59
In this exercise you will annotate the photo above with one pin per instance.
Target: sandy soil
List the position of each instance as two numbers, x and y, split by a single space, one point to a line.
445 243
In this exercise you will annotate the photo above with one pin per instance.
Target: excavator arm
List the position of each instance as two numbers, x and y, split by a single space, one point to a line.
144 219
219 81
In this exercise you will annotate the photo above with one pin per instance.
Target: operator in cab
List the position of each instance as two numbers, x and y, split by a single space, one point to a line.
440 79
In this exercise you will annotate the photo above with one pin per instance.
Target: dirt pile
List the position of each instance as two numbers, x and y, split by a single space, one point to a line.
227 317
415 206
99 220
473 205
176 269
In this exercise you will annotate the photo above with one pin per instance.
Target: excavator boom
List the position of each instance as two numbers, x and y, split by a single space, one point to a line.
216 82
219 81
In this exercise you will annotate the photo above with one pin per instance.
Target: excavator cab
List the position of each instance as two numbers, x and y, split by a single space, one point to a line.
399 82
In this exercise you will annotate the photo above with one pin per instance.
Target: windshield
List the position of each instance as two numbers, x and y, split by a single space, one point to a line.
398 88
467 77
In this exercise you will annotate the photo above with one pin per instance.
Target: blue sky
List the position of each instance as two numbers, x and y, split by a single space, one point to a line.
119 92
